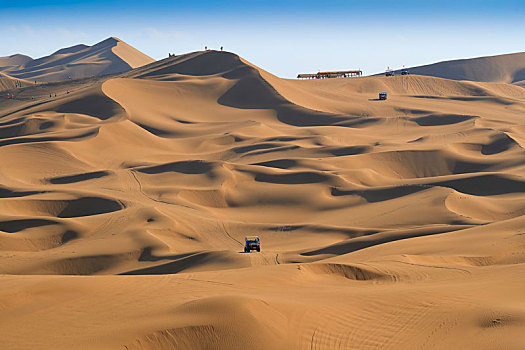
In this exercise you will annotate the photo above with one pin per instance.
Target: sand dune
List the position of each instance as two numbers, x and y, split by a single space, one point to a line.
80 61
384 224
509 68
13 60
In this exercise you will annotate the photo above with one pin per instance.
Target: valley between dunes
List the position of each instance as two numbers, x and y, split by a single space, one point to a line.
395 224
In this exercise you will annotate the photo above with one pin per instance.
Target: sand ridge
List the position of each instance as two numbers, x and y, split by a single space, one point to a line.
384 224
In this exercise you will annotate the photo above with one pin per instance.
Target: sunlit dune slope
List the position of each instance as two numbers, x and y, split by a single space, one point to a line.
384 224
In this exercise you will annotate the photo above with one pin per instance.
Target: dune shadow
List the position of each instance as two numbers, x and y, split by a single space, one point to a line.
88 206
21 140
68 236
279 163
364 242
10 131
412 110
442 119
147 255
189 261
79 177
259 146
184 167
499 143
348 151
273 150
293 178
12 226
7 193
13 122
358 122
95 105
380 194
155 131
484 185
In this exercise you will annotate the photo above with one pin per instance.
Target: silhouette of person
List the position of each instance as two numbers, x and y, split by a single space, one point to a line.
221 48
205 48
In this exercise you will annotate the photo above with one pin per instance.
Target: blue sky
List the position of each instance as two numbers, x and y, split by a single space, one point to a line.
284 37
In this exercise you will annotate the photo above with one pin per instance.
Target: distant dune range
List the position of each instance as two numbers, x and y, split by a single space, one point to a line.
384 224
509 68
80 61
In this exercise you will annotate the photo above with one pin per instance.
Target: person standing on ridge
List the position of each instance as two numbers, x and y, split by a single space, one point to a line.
221 48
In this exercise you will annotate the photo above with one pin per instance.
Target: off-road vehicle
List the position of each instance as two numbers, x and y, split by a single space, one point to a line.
252 243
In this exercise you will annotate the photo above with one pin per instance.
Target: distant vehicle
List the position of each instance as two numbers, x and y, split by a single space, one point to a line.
404 71
389 73
252 243
383 95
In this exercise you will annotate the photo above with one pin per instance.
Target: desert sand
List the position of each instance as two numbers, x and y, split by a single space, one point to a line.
395 224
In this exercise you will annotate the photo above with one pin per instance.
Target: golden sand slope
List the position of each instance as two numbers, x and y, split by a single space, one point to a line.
81 61
384 224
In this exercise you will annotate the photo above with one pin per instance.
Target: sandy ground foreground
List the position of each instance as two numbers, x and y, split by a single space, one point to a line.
395 224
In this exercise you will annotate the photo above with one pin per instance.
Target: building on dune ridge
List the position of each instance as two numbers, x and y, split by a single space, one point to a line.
334 74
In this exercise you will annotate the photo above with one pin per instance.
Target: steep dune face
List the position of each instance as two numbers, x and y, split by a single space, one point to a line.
384 224
509 68
109 56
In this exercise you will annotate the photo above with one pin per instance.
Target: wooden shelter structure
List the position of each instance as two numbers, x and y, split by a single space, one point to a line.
335 74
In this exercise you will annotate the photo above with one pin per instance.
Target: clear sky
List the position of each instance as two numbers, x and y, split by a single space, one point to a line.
284 37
